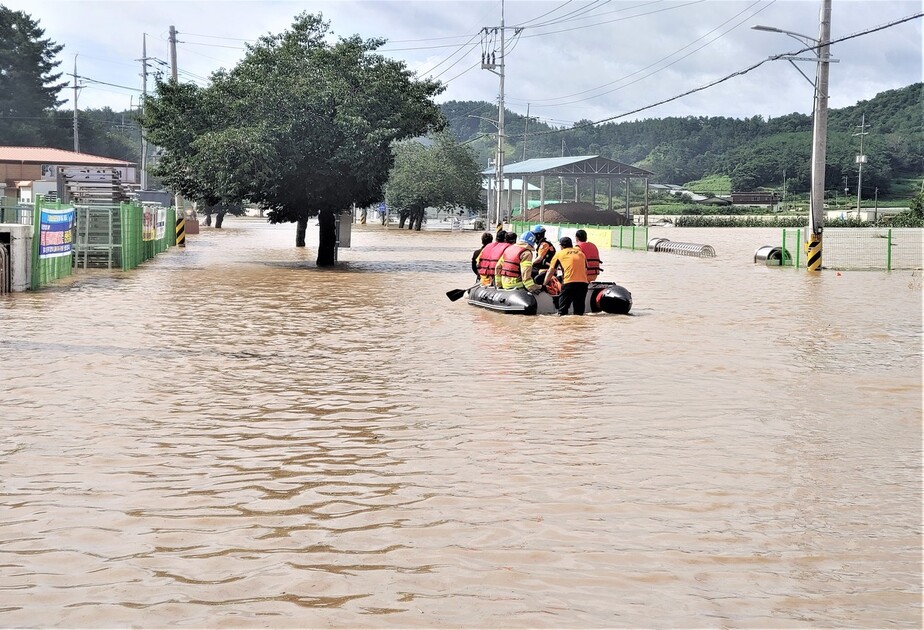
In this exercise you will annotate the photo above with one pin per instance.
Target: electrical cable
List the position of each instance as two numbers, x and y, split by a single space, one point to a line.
739 73
650 74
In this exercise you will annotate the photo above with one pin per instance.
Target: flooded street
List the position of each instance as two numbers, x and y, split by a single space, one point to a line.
228 436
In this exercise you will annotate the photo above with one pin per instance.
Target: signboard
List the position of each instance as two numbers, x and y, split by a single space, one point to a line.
147 224
161 224
57 232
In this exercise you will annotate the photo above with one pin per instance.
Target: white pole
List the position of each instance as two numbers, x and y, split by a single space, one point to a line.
819 140
500 123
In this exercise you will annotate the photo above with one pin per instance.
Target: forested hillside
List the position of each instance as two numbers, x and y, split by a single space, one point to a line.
753 152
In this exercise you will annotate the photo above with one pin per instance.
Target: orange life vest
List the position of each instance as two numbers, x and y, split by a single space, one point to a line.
594 264
510 260
489 257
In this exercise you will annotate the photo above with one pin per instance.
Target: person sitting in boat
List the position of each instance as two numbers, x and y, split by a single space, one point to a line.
490 254
514 269
485 241
573 265
591 253
544 251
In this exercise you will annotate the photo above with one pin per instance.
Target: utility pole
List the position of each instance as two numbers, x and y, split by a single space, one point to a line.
177 200
489 61
784 190
76 124
173 52
144 99
819 140
861 160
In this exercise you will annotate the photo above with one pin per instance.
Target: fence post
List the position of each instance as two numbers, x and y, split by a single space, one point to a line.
633 238
798 246
889 251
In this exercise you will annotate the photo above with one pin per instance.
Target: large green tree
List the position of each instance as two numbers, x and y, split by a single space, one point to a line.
301 126
28 82
444 175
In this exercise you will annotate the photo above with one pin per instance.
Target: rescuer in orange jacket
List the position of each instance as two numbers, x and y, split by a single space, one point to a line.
573 264
591 253
515 266
490 254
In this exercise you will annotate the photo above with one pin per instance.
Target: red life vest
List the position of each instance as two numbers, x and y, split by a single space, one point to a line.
489 257
592 254
511 261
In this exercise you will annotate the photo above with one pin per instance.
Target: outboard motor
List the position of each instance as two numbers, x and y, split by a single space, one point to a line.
609 298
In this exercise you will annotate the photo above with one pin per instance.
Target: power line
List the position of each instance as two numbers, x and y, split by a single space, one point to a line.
739 73
650 74
561 6
620 19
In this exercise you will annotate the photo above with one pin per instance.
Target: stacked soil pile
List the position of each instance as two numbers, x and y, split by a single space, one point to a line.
582 213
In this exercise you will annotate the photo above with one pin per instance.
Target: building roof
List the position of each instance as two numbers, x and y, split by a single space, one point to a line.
574 165
43 155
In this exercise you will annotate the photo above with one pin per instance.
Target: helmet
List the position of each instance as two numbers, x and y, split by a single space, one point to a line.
538 229
529 238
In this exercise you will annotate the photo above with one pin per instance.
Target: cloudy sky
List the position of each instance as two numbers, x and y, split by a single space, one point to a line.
567 60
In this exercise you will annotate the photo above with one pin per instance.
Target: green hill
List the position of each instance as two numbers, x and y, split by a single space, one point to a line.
750 153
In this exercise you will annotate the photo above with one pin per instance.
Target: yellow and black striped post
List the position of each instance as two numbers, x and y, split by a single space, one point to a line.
813 252
180 232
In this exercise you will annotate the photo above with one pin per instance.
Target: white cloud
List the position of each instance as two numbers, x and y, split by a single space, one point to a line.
605 51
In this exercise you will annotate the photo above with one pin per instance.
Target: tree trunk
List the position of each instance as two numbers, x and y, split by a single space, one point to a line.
208 219
327 239
301 227
402 217
218 220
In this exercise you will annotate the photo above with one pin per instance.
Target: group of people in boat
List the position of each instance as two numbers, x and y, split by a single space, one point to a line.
531 262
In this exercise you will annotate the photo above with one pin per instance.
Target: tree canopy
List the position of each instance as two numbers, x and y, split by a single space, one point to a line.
443 175
28 83
300 126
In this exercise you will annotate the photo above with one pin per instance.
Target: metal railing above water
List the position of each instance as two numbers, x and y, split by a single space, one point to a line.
684 249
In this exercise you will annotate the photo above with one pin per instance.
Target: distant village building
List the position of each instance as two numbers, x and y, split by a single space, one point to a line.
757 198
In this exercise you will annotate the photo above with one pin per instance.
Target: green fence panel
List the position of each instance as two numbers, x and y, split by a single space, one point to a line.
47 270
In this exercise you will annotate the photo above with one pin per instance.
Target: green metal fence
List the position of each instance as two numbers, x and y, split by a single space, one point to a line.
860 248
120 237
44 269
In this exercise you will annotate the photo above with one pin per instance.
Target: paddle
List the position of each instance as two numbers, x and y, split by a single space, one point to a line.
455 294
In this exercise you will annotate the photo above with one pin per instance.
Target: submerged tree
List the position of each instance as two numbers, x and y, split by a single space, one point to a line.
445 175
301 126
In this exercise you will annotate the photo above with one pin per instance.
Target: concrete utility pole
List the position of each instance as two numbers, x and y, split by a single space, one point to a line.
823 60
177 200
76 124
861 160
489 61
819 140
173 52
144 99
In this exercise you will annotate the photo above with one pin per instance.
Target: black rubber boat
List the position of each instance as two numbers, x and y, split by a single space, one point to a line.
602 297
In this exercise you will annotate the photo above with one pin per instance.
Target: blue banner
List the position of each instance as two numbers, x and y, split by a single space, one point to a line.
57 232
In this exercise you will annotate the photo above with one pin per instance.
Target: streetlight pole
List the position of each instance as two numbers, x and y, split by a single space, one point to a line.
819 129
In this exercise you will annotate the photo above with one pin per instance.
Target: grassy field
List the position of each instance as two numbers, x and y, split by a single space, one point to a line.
714 184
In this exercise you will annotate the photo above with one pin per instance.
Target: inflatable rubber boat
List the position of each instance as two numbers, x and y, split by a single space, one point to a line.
602 297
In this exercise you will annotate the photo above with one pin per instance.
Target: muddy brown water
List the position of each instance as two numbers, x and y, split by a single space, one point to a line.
230 437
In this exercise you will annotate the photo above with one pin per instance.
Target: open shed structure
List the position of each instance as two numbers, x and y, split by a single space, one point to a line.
576 169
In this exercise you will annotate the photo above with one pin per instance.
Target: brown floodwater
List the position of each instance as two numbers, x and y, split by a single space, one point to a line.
228 436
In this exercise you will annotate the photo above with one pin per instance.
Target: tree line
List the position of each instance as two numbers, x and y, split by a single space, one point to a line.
753 152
